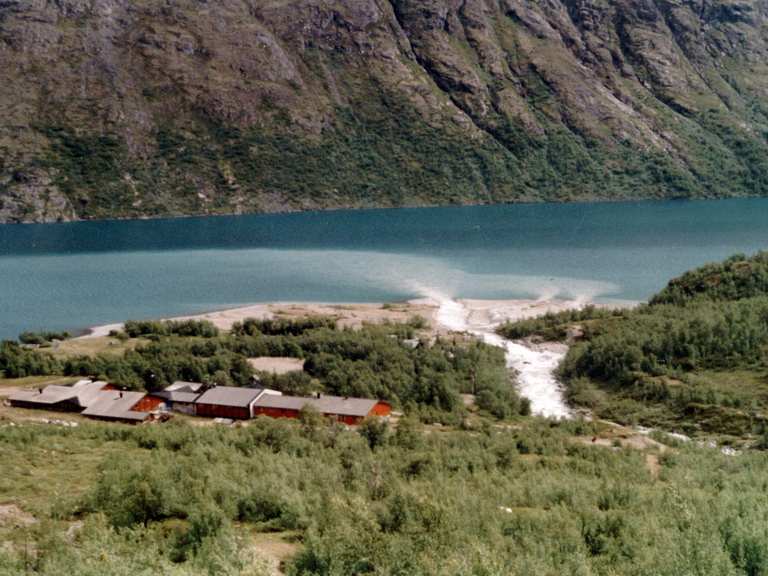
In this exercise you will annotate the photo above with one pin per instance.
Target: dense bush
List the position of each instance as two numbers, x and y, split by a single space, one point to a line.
40 338
667 365
662 340
181 499
736 278
695 357
292 383
554 326
18 362
160 363
203 328
282 327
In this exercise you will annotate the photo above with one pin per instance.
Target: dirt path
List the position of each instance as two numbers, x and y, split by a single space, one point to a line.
13 516
274 550
653 465
618 437
276 365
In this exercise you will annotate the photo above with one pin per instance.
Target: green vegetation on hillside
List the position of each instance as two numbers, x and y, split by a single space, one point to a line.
378 154
89 170
107 500
695 358
736 278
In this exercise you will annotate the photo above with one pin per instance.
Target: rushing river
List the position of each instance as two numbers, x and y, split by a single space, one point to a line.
74 275
534 367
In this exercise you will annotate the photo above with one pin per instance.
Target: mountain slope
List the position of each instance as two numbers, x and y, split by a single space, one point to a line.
117 108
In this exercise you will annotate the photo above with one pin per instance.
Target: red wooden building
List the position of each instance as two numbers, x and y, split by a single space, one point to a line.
228 402
350 411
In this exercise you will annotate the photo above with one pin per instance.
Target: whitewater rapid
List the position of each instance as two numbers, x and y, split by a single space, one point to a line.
535 367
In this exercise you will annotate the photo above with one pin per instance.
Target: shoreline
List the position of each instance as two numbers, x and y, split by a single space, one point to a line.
480 312
348 314
287 211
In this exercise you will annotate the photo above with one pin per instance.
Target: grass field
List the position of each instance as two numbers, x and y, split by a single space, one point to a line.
94 346
30 381
740 386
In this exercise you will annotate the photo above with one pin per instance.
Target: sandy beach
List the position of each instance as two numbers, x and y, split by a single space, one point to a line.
348 315
480 312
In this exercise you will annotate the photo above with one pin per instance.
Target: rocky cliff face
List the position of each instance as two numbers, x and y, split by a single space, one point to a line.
149 107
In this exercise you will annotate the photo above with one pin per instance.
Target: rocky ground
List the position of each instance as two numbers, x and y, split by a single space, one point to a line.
142 108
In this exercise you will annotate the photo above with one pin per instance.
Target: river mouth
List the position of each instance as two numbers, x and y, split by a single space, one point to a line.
535 365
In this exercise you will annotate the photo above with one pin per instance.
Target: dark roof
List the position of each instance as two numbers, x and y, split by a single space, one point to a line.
325 404
116 405
230 396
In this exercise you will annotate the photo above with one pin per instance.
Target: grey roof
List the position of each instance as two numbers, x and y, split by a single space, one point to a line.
181 386
179 396
324 404
180 391
230 396
284 402
89 392
82 393
116 405
52 394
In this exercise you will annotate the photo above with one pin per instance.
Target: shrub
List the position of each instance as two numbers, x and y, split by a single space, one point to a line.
375 431
40 338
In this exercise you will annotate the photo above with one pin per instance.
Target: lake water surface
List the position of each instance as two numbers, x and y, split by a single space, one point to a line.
74 275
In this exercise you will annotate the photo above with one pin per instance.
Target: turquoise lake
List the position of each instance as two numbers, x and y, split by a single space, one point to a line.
75 275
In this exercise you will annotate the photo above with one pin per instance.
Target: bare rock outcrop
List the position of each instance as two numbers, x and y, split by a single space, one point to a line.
136 108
